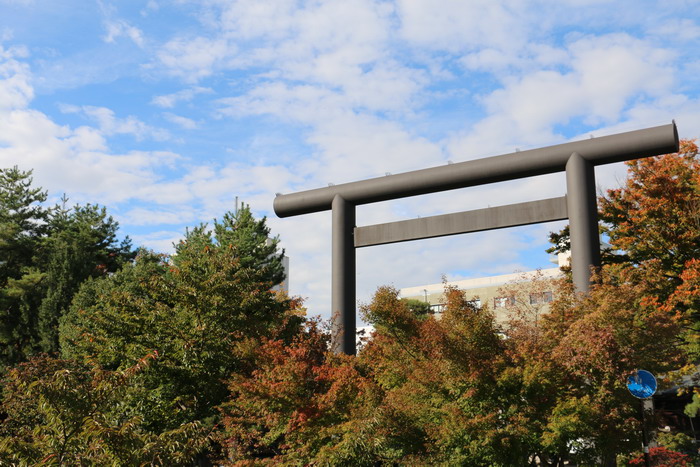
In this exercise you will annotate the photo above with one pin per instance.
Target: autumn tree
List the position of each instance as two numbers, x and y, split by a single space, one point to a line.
600 339
655 216
544 388
302 404
420 392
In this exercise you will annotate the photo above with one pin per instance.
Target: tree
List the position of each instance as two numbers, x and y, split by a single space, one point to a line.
420 392
59 412
22 221
598 340
201 310
420 308
302 404
655 216
22 225
547 388
81 243
44 256
663 457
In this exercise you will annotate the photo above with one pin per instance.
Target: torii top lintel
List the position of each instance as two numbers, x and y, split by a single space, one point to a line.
597 151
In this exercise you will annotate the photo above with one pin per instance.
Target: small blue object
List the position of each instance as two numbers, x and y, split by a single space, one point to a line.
641 384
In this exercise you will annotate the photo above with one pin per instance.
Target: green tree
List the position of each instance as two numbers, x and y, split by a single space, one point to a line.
22 225
419 307
81 243
201 310
252 244
44 256
59 412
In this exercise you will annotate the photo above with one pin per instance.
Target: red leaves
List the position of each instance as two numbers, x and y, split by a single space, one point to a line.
299 394
663 457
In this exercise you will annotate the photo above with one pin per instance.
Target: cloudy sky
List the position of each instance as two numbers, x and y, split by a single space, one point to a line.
166 111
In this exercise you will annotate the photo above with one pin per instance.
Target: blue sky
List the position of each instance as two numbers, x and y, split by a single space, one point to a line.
165 112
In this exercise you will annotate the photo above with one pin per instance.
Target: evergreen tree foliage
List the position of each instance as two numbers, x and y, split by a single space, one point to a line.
201 310
45 254
81 243
252 244
22 225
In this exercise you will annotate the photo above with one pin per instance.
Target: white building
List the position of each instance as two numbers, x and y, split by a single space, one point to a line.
489 290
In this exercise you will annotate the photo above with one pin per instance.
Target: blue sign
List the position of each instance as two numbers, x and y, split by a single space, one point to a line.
641 384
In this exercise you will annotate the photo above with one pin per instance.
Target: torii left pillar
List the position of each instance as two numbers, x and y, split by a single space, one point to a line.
343 276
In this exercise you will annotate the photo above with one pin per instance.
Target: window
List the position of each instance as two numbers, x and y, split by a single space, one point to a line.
438 308
476 303
540 298
502 302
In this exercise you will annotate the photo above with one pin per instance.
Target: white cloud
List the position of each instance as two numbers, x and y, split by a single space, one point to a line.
193 58
603 78
182 122
215 188
160 216
118 28
6 34
160 241
151 6
171 100
456 26
341 46
685 29
77 158
111 125
15 87
348 145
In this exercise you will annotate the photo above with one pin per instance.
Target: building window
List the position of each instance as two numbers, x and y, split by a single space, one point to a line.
540 298
476 303
502 302
437 308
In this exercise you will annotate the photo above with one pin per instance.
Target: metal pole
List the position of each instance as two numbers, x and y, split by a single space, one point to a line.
583 220
343 277
645 435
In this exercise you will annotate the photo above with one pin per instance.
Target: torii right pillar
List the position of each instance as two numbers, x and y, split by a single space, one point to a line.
583 220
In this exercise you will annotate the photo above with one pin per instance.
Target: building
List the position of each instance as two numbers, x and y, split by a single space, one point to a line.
490 290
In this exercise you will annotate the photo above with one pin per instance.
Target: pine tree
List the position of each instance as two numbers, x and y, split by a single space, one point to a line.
251 243
81 243
45 254
22 224
199 310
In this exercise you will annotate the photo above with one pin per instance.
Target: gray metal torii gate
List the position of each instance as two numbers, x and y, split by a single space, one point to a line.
577 159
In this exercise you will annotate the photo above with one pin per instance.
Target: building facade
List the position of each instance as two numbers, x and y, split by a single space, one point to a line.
498 292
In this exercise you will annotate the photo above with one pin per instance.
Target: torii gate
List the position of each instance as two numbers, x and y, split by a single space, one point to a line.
577 159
